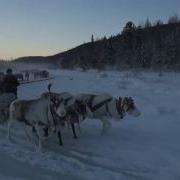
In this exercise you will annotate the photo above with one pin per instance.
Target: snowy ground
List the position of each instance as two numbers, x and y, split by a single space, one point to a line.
136 148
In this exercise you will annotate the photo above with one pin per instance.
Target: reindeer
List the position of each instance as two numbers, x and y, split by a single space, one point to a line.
38 113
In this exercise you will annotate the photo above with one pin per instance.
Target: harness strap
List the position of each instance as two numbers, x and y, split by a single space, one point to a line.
55 117
52 111
99 105
41 123
107 109
90 101
27 123
66 100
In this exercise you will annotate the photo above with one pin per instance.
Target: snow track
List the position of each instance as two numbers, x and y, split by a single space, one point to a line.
143 148
66 159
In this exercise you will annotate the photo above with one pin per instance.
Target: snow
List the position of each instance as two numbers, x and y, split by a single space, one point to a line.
146 147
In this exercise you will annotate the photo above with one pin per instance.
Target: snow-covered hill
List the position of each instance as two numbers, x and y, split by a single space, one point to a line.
136 148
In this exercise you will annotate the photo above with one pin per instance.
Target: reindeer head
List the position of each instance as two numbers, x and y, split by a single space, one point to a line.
57 102
58 105
128 106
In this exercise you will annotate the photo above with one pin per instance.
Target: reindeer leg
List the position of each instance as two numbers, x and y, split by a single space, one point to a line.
40 144
103 128
26 132
9 128
60 138
73 130
59 135
105 125
79 127
68 123
108 125
29 138
39 137
81 118
46 132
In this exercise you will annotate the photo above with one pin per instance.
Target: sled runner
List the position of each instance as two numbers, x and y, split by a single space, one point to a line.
37 80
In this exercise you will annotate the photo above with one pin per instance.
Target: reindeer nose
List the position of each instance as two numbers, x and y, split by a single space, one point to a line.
138 113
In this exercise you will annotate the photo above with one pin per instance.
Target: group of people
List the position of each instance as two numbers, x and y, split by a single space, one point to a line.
8 93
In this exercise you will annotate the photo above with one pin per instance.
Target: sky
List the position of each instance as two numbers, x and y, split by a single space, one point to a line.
47 27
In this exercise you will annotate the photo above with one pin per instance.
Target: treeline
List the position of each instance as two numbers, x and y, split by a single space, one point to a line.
150 45
4 64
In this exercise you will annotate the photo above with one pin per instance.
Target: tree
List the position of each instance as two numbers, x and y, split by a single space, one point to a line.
158 23
173 19
147 23
109 52
92 38
129 27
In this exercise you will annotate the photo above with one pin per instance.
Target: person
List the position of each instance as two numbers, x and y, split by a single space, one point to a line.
8 86
9 83
1 79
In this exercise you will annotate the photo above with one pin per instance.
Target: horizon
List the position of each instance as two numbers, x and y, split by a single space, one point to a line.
44 28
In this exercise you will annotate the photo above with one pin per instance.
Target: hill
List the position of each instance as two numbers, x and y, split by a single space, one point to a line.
150 47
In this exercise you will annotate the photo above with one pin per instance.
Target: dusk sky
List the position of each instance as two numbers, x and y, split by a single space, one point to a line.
47 27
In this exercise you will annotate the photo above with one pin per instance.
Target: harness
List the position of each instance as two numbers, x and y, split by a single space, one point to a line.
72 115
94 108
54 115
99 105
53 104
90 101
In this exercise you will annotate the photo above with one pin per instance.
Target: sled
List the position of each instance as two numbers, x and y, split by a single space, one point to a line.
37 80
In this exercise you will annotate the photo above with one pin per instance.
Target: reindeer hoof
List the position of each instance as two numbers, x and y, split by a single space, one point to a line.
60 144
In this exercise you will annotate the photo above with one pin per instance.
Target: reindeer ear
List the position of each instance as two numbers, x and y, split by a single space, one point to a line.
119 99
131 99
49 87
126 100
52 99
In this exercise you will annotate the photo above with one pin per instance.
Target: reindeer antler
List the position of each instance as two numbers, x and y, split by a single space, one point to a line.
52 97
